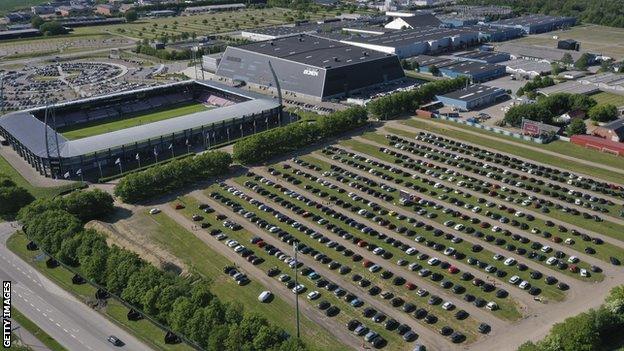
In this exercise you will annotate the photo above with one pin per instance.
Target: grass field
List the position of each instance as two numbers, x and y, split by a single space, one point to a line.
142 329
84 130
6 168
37 332
606 40
609 98
557 146
209 264
10 5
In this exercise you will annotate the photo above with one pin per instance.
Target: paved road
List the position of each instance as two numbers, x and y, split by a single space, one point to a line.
27 338
69 321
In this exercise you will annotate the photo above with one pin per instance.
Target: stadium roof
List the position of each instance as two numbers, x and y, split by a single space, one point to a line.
313 50
30 131
422 20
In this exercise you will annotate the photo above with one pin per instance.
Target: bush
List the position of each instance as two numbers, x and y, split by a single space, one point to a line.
576 127
407 101
52 28
174 175
592 330
603 113
548 107
263 146
12 197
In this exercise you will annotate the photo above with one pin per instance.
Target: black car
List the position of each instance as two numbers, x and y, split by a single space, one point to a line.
484 328
332 311
115 340
446 330
323 305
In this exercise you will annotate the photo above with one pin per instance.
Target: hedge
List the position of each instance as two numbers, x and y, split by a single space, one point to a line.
174 175
279 141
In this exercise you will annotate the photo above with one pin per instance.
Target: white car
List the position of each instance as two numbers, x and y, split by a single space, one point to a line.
552 261
509 262
379 251
546 248
573 259
154 211
524 285
264 296
448 306
584 273
514 280
299 289
411 251
496 229
314 295
492 306
460 227
449 251
433 261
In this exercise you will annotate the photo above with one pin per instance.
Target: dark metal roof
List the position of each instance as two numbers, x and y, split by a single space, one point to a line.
412 36
531 20
313 50
30 131
422 20
474 92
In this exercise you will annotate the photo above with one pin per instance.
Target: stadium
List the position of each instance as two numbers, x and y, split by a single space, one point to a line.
112 133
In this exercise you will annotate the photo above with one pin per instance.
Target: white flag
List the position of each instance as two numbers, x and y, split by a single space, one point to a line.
118 161
79 171
187 142
155 152
66 175
170 146
137 157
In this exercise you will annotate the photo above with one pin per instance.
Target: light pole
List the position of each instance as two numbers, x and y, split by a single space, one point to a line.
296 292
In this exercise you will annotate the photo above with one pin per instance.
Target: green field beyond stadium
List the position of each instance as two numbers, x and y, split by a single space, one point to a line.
85 130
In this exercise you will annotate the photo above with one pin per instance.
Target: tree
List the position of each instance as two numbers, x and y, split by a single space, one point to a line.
576 127
567 59
131 16
575 334
36 21
555 68
52 28
434 70
583 62
615 301
12 199
603 113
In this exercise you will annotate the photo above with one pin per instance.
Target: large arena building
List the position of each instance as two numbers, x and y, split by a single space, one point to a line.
309 67
97 136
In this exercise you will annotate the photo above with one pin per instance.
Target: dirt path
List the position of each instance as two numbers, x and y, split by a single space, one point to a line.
363 295
493 181
260 276
521 145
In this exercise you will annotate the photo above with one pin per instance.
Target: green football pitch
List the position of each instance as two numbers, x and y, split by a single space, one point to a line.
88 129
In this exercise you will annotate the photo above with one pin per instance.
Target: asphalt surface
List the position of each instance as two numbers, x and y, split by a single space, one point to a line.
66 319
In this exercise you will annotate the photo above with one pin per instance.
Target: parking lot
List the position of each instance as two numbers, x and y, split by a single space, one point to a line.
406 238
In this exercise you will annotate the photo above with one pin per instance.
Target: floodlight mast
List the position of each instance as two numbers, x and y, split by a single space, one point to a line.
279 91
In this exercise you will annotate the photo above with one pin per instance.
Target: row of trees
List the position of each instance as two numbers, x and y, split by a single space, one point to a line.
171 176
263 146
186 305
548 107
12 197
408 101
537 83
603 12
599 329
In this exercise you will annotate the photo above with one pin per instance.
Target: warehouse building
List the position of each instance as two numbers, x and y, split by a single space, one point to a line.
542 53
476 71
309 67
497 34
472 97
418 20
483 56
412 42
534 24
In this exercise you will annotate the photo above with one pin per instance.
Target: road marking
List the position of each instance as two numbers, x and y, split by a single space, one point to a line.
72 335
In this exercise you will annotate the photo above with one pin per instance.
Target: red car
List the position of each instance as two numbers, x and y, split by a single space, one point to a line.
556 239
179 206
410 286
362 243
367 263
453 269
573 268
